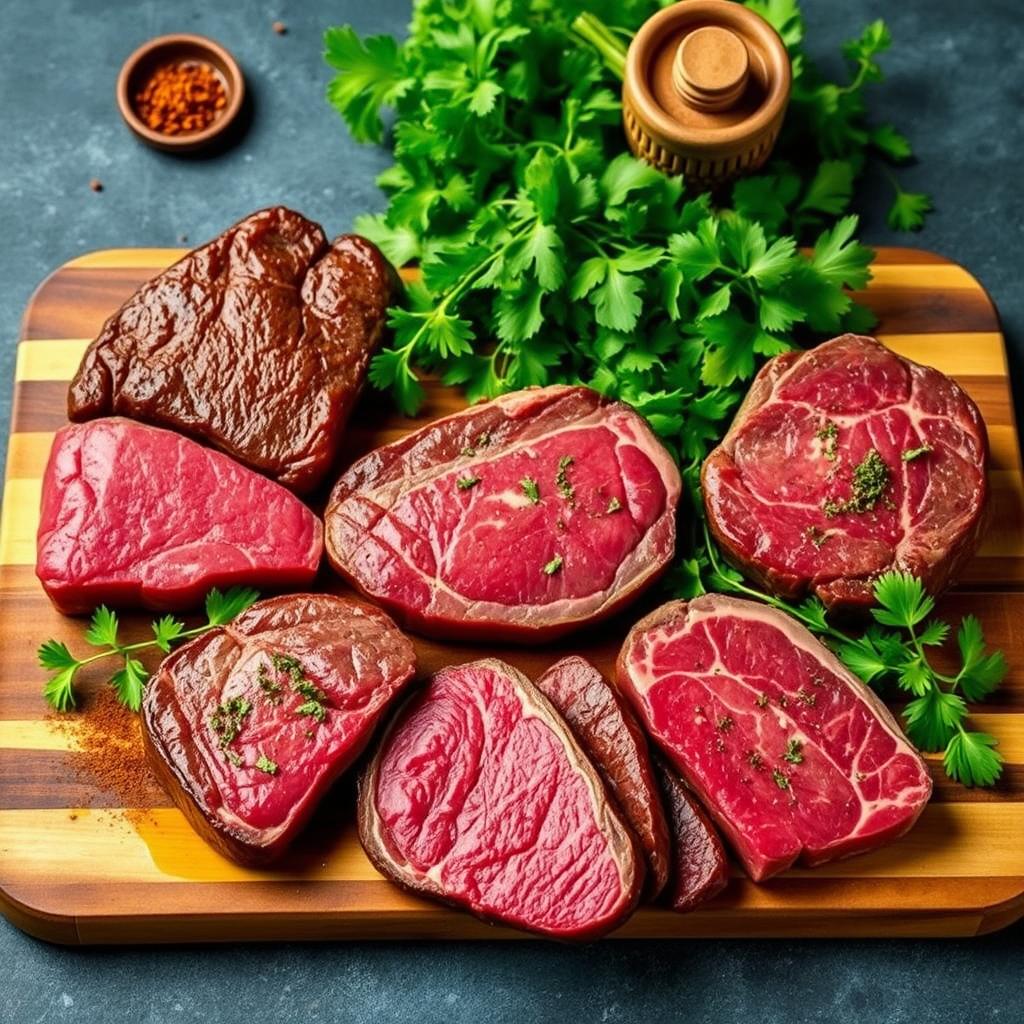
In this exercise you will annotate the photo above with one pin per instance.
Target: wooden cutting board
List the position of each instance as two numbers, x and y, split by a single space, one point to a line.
76 867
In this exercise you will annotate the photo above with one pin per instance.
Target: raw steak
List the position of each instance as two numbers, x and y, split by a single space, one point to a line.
247 726
480 796
134 515
699 869
518 519
257 343
844 462
790 753
614 741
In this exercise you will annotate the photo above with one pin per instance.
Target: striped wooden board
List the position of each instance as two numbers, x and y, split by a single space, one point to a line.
76 867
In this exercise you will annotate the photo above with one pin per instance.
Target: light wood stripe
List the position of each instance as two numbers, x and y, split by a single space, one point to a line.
933 278
159 845
19 520
125 259
958 354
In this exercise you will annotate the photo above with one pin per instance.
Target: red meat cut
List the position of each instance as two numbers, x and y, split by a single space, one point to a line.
699 870
257 343
134 515
844 462
518 519
792 755
615 743
480 796
247 726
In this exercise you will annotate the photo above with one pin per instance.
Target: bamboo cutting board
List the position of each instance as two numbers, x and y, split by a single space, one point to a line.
75 868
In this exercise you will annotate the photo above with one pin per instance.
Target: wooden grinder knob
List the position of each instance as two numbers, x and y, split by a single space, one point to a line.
711 69
705 90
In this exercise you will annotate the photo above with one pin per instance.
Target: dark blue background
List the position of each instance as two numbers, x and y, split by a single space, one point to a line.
955 85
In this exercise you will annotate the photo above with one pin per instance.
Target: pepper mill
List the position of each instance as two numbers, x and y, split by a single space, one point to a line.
705 91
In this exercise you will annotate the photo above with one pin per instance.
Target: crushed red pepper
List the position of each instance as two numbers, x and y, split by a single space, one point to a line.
181 98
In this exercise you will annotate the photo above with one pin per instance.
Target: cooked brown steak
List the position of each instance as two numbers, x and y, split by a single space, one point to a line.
606 729
844 462
257 343
699 869
247 726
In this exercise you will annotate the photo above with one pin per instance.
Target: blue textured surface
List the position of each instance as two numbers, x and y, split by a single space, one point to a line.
955 85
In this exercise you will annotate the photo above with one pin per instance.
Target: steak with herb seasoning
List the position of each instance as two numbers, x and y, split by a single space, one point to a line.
842 463
257 343
606 729
518 519
247 726
480 796
699 870
794 758
133 515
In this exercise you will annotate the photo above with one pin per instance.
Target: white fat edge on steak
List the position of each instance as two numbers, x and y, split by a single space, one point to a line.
713 606
533 704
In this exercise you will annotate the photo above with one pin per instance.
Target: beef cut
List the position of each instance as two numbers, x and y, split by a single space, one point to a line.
699 869
518 519
792 755
134 515
257 343
844 462
479 795
606 729
247 726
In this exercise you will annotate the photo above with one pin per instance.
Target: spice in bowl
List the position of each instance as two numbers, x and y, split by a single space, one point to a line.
180 98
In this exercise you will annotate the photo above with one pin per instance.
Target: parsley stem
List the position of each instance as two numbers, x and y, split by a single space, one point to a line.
591 29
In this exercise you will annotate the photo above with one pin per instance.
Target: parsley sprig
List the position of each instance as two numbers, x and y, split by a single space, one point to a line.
130 680
893 650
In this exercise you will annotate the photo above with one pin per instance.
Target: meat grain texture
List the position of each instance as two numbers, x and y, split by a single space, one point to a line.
256 343
480 796
247 726
794 758
778 489
133 515
519 519
606 729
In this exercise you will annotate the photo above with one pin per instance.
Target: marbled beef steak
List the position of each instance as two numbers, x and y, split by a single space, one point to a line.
792 755
257 343
518 519
606 729
479 795
844 462
248 725
133 515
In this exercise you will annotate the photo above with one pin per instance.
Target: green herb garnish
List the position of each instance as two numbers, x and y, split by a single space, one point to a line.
613 506
793 753
915 453
762 700
466 482
553 566
829 436
724 724
815 536
130 680
264 764
530 489
565 488
780 779
313 708
270 686
226 721
871 480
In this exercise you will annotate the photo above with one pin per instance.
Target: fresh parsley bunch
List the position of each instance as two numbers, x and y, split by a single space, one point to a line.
130 679
893 652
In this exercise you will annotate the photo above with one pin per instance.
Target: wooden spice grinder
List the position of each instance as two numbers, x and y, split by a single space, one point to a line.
705 91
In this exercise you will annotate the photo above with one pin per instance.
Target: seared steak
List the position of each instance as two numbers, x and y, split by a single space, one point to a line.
248 725
257 343
699 869
480 796
134 515
792 755
612 737
518 519
843 462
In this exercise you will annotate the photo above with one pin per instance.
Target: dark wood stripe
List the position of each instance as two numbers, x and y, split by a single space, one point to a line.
895 254
927 311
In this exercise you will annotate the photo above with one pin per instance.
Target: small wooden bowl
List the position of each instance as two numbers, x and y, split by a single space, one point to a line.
168 50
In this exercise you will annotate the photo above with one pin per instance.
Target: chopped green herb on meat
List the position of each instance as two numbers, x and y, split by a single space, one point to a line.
793 752
565 488
264 764
815 536
829 437
871 480
613 506
780 779
915 453
466 482
530 489
553 566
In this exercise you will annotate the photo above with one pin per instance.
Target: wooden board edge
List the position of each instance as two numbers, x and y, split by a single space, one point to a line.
49 926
